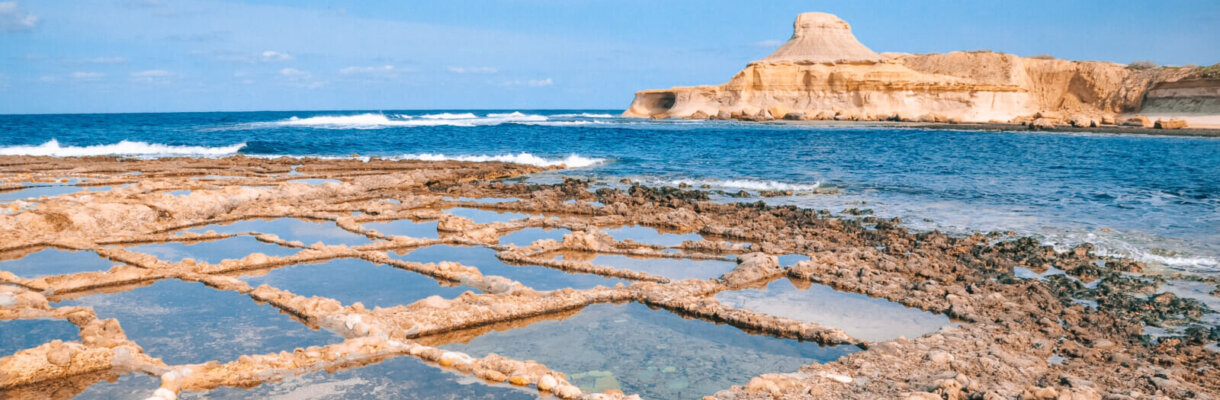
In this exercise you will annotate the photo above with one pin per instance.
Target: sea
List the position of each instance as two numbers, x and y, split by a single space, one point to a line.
1152 198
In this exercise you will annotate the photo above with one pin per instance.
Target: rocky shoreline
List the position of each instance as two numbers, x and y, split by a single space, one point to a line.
1075 335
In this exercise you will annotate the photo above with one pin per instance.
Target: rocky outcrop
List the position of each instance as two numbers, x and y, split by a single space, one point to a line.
823 72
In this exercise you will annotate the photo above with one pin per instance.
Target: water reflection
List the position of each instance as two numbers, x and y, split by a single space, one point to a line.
859 315
291 229
405 227
214 251
644 234
55 262
527 236
480 216
650 352
536 277
187 322
672 268
397 378
353 280
21 334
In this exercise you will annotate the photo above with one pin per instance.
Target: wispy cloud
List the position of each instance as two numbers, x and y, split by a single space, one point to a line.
275 56
295 73
299 78
15 19
473 70
87 76
152 76
383 72
529 83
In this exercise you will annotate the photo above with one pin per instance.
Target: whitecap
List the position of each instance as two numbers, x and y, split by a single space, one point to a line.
381 121
584 115
748 184
571 161
122 148
449 116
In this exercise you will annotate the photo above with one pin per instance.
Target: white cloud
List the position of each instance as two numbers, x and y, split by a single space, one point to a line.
151 76
14 19
473 70
87 76
530 83
367 70
767 43
275 56
294 73
384 72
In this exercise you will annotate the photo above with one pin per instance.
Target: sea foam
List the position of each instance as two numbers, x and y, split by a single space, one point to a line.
748 184
123 148
381 121
571 161
583 115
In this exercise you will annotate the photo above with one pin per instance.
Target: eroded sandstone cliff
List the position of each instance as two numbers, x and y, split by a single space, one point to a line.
823 72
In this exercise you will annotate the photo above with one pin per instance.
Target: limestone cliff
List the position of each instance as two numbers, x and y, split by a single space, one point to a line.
823 72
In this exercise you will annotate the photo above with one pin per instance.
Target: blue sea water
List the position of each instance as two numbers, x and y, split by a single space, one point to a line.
1154 198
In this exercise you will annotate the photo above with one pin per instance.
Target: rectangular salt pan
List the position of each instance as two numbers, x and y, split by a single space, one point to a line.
405 227
188 322
213 251
527 236
859 315
533 276
55 262
402 377
644 234
21 334
35 192
353 280
291 229
672 268
480 216
653 353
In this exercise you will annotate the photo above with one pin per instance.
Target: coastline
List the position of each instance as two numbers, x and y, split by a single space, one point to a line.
1006 341
1002 127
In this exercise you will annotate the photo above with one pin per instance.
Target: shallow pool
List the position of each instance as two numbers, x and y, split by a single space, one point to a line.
401 377
55 262
188 322
672 268
859 315
213 251
354 280
290 229
653 353
536 277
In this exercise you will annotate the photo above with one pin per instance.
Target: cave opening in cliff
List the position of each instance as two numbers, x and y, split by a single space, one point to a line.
659 102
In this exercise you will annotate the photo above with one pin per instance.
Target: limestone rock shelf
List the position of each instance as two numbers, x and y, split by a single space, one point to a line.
823 72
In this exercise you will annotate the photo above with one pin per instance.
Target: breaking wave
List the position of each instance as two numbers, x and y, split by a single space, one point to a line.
124 148
584 115
381 121
571 161
748 184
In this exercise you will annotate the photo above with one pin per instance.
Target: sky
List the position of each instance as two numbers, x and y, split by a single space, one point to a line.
83 56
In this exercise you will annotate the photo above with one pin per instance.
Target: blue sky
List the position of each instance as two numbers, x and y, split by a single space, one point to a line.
167 55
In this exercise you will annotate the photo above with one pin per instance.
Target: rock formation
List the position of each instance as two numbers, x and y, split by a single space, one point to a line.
823 72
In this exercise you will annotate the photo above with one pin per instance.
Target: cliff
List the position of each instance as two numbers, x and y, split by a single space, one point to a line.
823 72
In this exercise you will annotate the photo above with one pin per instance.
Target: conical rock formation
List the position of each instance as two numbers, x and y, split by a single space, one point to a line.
822 38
